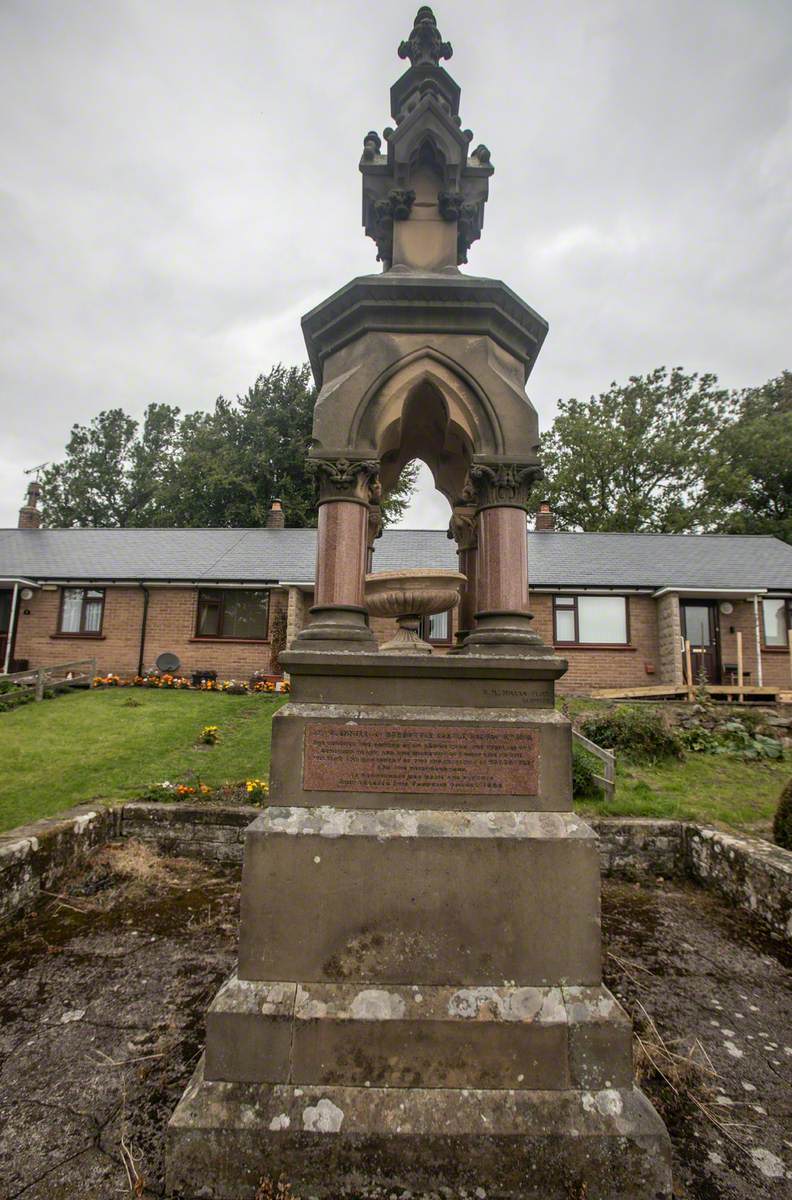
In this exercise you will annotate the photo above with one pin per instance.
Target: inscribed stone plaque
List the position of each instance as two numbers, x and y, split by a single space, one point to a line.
488 760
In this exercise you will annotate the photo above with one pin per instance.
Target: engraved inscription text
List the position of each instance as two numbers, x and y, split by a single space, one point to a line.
489 760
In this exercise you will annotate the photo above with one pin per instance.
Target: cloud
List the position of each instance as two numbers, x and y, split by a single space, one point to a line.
181 184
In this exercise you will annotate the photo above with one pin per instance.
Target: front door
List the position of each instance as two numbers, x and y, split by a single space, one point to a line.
700 628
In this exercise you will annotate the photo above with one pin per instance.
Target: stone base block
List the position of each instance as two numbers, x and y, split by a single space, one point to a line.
426 897
331 1142
427 1037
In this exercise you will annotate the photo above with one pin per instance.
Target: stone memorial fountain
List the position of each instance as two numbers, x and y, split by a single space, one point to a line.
419 1003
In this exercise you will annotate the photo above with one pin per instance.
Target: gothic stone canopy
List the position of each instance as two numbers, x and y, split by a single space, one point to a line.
422 360
427 172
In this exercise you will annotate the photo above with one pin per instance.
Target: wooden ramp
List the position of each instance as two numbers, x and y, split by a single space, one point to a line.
723 691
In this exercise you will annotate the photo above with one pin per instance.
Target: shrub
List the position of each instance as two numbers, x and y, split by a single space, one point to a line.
209 735
15 700
584 767
640 734
782 822
734 738
278 631
699 739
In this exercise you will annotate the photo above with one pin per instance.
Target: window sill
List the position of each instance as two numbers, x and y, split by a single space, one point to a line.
228 641
594 646
78 637
775 650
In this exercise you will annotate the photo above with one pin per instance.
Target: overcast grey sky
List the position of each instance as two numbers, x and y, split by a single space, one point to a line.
179 184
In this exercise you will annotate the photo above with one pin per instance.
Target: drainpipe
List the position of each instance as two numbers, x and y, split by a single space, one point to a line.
758 642
11 629
145 591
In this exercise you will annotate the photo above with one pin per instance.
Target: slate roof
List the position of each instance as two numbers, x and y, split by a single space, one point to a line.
651 560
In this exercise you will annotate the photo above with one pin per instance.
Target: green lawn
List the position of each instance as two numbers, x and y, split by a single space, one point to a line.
705 787
108 745
715 788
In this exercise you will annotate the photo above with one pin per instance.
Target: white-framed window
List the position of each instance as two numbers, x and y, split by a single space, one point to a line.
81 611
776 620
591 621
437 628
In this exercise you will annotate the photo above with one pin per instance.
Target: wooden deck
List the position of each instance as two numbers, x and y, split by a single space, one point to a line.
726 691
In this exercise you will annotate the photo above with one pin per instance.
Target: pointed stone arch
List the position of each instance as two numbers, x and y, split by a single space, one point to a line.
426 406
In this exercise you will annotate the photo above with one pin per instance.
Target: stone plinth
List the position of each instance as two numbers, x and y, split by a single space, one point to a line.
419 756
424 897
371 1142
419 1001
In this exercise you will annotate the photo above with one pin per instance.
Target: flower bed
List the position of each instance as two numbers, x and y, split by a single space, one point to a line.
244 791
234 687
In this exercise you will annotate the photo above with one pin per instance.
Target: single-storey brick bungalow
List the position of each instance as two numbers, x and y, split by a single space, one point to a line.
617 605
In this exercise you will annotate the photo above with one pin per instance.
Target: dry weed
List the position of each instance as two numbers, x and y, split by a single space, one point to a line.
281 1190
689 1075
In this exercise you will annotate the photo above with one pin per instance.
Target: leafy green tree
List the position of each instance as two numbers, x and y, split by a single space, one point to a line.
216 469
635 457
113 471
750 481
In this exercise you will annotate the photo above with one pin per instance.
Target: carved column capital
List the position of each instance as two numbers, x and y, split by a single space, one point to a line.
346 479
462 526
501 485
375 524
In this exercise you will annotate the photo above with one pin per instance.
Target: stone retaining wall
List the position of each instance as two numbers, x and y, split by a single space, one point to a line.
191 830
33 857
752 874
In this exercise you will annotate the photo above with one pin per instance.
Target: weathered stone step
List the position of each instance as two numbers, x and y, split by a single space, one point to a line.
433 1037
329 1142
420 896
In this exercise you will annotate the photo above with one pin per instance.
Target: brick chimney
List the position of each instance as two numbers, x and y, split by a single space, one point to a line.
545 521
276 518
29 515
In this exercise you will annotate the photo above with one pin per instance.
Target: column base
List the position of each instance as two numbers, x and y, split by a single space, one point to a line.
337 627
506 633
330 1142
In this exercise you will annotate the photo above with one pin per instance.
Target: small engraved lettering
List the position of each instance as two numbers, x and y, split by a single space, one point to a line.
491 760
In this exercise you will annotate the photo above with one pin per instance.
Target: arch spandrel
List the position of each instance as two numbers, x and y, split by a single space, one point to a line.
361 407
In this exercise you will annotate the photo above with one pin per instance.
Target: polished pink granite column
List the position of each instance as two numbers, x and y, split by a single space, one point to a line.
468 602
502 566
341 554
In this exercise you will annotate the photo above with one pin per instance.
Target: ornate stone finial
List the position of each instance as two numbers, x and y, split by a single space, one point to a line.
425 45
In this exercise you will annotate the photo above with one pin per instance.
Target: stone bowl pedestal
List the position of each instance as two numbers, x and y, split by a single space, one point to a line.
408 596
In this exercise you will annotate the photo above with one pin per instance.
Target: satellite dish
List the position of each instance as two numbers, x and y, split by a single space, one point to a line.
168 663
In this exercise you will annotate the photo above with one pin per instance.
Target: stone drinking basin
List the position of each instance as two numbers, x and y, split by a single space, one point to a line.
408 596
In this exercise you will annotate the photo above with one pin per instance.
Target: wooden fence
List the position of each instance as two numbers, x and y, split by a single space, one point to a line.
41 679
607 781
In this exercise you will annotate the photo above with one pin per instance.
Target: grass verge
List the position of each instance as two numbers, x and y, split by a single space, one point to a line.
109 745
712 788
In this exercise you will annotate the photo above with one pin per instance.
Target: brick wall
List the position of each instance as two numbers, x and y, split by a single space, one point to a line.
775 664
593 668
742 620
170 627
116 650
